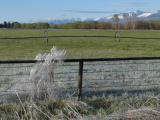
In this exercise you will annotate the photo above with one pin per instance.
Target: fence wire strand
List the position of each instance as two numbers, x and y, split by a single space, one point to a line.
104 77
75 37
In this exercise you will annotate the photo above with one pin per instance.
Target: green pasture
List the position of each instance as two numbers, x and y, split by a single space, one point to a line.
78 47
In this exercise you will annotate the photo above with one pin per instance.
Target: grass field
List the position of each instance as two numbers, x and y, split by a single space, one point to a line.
78 47
143 105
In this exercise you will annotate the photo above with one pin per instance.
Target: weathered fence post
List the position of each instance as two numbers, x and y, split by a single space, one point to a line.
119 35
80 76
45 36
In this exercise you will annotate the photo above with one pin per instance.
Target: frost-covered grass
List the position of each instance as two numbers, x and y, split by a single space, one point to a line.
142 106
111 90
82 47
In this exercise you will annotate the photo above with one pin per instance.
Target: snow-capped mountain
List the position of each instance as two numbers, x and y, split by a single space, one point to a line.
151 15
59 20
141 15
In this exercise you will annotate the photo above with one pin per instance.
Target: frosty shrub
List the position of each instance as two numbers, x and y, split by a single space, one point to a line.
42 75
39 84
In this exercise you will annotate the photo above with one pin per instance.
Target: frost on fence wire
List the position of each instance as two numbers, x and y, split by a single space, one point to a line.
16 75
99 78
11 77
133 77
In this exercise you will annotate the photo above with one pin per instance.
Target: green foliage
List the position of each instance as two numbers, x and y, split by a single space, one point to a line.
76 25
16 25
142 25
1 25
5 24
154 24
35 25
52 25
130 23
104 25
85 25
7 110
116 21
9 25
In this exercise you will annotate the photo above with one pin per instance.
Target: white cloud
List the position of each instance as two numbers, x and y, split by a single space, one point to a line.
131 4
80 11
125 9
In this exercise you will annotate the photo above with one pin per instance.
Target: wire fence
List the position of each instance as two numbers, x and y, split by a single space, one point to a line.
45 37
100 77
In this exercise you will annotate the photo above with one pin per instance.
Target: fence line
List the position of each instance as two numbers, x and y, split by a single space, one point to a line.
82 65
77 36
82 60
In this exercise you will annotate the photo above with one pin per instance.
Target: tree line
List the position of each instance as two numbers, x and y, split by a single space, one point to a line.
152 24
16 25
5 25
130 22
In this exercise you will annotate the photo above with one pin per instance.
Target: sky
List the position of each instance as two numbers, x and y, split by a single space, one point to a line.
30 10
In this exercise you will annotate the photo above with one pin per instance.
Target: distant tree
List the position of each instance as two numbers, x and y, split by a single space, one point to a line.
128 23
117 24
76 25
126 17
85 25
154 24
134 21
5 24
93 24
68 26
142 25
23 26
35 25
52 25
30 26
104 25
60 26
42 25
89 25
16 25
9 25
1 25
157 25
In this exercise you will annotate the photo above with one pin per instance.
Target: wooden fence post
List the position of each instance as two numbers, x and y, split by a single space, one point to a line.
80 76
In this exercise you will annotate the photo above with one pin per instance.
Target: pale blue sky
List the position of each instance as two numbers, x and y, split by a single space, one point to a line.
25 10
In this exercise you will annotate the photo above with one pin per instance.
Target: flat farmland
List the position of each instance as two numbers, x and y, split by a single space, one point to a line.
78 47
111 90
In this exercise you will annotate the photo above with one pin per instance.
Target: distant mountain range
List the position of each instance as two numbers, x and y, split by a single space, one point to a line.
151 15
59 20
